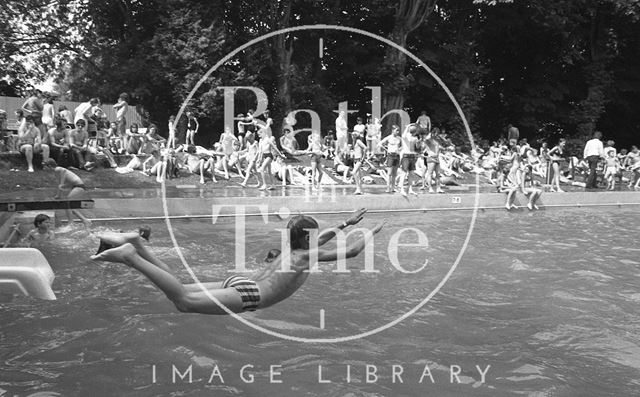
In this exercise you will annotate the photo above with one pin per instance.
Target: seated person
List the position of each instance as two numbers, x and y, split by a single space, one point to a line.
152 137
155 165
133 140
28 137
78 147
199 164
59 141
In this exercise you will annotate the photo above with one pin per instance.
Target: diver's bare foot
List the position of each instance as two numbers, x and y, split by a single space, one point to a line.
121 254
118 239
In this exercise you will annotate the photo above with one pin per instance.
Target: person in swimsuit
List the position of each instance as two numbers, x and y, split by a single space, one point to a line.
409 153
252 155
237 294
612 167
359 154
68 181
227 140
393 144
632 163
290 149
43 230
555 156
431 155
315 150
267 147
192 128
341 132
171 140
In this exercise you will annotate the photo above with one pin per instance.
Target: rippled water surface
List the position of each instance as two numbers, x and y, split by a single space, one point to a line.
548 300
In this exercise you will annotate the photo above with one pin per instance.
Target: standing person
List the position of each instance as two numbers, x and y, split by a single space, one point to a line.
409 153
48 113
632 163
393 144
359 154
268 122
341 132
59 141
68 181
252 156
171 142
556 155
227 140
290 149
374 134
121 107
33 107
315 149
192 128
431 153
424 122
612 167
513 135
593 152
267 147
84 111
359 128
66 115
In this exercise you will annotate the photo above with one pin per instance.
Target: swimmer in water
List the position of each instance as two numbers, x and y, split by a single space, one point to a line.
238 294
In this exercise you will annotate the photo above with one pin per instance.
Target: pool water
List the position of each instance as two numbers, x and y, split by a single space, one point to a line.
548 300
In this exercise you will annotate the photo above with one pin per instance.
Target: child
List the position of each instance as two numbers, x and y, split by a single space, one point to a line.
315 150
68 181
409 153
393 145
227 141
171 142
267 147
359 154
192 128
252 156
612 166
42 231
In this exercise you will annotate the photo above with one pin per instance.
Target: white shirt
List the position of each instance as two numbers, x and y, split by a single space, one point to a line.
82 112
341 126
593 147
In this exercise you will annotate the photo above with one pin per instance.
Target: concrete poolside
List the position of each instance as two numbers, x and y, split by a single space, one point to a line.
200 201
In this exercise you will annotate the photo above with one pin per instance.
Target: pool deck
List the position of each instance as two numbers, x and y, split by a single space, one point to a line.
194 201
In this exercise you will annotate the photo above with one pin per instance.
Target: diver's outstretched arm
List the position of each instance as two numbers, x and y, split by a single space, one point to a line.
327 235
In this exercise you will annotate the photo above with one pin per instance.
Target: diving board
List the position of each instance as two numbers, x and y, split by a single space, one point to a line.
15 205
25 271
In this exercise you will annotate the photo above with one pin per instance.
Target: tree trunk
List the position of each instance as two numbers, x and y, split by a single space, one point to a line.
282 52
410 14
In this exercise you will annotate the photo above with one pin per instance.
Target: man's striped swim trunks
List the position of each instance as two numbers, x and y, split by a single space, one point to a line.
248 290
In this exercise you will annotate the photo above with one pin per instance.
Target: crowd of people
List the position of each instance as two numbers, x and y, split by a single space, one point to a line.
420 156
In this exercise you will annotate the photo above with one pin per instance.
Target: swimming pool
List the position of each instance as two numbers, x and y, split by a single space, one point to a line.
547 299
